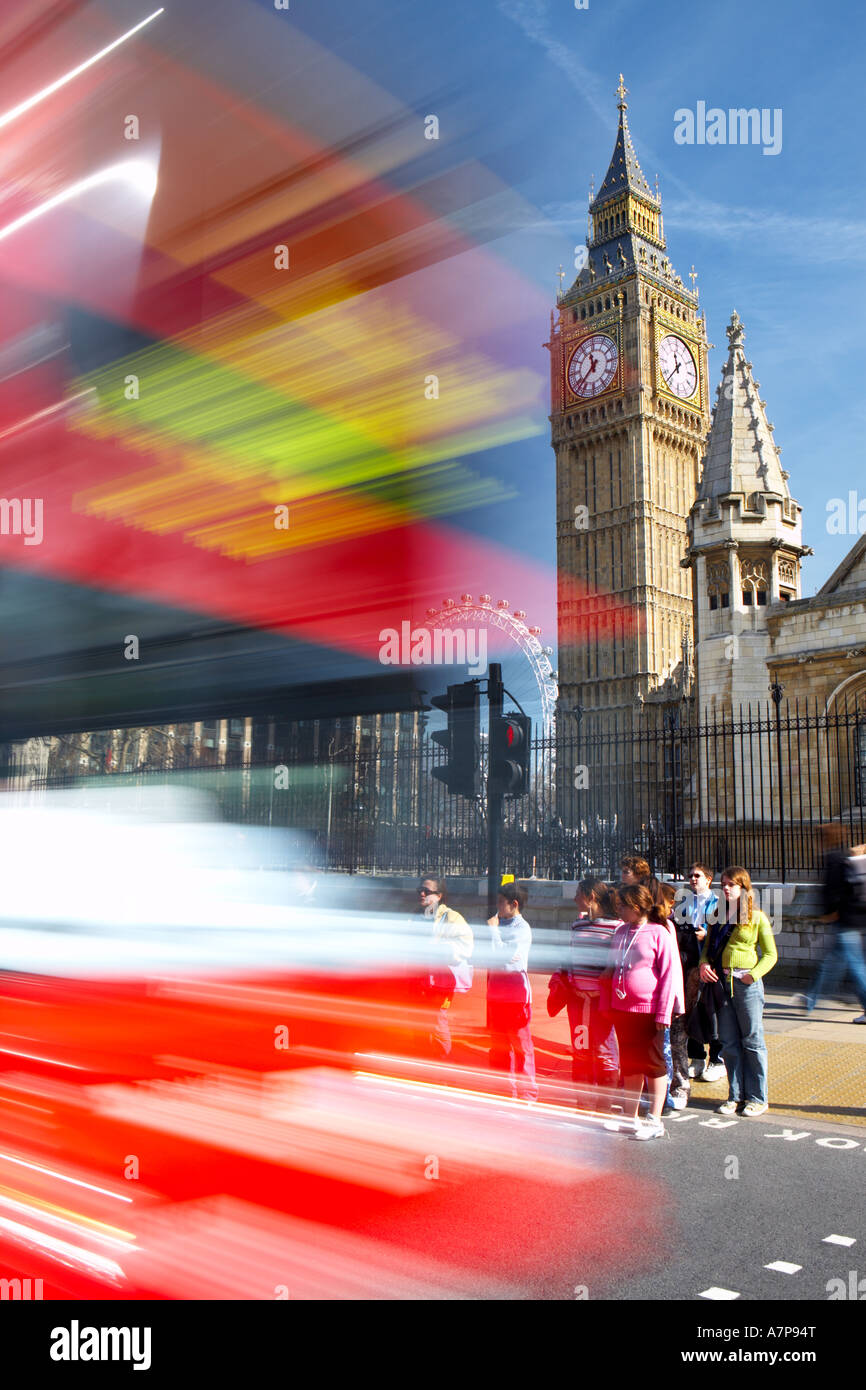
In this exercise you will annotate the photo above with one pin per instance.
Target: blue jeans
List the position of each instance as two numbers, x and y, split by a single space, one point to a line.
669 1063
845 956
744 1052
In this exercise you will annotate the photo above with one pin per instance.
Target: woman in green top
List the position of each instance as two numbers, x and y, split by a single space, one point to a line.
738 951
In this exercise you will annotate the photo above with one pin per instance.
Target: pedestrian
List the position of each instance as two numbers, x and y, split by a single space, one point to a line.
697 912
509 995
844 891
594 1057
453 941
738 952
665 897
643 983
633 869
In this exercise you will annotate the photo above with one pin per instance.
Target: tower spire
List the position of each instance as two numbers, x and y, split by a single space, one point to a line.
741 454
624 174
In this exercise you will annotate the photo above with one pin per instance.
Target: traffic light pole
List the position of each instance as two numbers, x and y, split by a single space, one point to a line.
495 698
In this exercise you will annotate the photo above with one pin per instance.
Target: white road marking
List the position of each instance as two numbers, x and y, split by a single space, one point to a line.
783 1267
839 1240
719 1294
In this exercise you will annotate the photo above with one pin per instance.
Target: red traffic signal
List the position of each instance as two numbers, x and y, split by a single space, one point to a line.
510 747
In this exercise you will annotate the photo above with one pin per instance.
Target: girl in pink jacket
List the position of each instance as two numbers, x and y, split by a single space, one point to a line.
646 982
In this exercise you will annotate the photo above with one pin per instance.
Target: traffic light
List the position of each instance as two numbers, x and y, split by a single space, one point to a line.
461 740
510 744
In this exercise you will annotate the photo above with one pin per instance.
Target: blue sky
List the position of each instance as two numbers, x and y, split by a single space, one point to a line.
526 87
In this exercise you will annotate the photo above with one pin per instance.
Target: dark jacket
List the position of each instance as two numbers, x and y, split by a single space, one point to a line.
844 886
703 1022
690 947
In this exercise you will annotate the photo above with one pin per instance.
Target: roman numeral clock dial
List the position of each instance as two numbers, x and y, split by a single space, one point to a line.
677 367
593 366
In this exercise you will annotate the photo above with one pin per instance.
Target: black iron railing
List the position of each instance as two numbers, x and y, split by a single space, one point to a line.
755 789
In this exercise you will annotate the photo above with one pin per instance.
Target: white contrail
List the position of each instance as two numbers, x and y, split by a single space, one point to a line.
69 76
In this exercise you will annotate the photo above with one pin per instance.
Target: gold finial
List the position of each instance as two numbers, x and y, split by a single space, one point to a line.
658 195
592 188
622 93
693 275
560 275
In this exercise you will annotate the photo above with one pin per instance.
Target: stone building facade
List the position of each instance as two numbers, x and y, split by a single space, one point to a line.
818 645
757 638
679 548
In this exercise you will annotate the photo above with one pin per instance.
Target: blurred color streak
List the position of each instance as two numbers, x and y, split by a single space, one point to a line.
226 1248
260 388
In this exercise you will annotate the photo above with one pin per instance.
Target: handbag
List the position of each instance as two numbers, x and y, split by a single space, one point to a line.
557 995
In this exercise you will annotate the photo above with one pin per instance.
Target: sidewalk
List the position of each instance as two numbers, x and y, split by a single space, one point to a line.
817 1065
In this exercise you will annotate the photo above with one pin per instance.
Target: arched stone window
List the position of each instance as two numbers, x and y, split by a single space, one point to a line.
718 586
787 580
846 715
756 583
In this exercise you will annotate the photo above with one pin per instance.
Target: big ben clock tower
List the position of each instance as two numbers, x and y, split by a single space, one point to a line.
629 421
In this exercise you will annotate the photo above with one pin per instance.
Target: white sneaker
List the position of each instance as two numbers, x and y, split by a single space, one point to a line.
860 1019
714 1072
755 1107
650 1129
696 1069
679 1102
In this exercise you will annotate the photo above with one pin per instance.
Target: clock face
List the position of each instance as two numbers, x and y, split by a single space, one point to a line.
677 366
593 366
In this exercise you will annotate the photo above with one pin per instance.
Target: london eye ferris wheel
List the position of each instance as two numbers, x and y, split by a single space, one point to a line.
527 668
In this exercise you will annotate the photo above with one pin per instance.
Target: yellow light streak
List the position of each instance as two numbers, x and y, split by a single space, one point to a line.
25 1203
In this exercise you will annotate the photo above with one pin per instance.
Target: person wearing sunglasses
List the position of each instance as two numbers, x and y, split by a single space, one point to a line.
454 943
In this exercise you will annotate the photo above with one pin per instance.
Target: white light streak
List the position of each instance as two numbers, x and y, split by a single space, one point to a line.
43 414
140 173
66 1223
89 1259
48 91
63 1177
